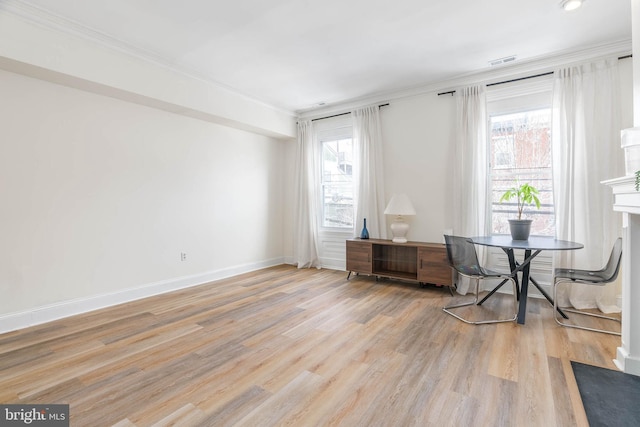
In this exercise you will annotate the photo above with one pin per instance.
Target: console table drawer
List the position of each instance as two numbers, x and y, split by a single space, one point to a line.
433 266
359 257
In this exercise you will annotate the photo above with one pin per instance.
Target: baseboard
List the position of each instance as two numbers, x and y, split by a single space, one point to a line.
48 313
333 264
626 362
328 263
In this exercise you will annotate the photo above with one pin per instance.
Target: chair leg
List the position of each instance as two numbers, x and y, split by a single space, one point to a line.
447 309
568 325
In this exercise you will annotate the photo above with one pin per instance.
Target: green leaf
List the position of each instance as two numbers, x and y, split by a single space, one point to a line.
526 194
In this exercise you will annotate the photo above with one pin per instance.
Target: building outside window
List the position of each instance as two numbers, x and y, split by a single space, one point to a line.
519 138
521 152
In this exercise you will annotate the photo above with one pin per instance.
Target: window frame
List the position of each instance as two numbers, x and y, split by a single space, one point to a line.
524 127
513 98
334 129
508 98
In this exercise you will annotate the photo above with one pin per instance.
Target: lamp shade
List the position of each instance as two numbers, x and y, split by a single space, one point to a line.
400 205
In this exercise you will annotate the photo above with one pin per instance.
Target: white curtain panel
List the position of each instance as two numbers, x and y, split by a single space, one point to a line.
368 172
470 169
305 246
586 151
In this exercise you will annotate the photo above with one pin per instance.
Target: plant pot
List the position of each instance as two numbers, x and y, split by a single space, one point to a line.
520 228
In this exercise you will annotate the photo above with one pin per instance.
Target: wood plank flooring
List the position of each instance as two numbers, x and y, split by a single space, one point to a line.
283 346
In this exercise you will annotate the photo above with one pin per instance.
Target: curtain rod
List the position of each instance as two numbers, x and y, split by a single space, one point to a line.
343 114
521 78
451 92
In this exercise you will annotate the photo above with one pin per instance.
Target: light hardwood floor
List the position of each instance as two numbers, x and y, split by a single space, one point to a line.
283 346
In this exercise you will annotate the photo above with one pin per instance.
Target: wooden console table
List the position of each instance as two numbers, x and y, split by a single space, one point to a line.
415 261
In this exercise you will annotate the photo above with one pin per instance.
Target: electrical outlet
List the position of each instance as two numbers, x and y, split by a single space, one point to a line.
183 256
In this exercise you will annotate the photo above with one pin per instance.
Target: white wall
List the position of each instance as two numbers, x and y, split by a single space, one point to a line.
417 132
37 44
635 35
418 153
100 196
626 69
418 136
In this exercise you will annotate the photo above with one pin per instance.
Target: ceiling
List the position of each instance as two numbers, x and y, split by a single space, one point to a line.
298 54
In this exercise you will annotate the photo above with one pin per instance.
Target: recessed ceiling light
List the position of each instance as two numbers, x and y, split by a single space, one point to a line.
571 4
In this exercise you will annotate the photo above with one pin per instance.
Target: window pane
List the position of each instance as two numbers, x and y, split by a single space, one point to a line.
521 150
337 183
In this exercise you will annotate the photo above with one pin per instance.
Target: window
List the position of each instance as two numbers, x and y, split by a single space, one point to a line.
336 168
337 183
502 151
520 150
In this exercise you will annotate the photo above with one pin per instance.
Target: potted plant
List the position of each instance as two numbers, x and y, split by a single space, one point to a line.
526 194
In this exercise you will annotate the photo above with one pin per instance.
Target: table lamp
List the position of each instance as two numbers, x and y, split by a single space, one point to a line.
400 206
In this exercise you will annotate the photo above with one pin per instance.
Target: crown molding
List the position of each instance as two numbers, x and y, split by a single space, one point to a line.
51 21
541 64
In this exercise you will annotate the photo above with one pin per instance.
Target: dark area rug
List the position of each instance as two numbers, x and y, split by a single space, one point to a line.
610 398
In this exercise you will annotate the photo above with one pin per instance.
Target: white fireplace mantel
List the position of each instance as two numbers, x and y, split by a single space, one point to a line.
627 200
